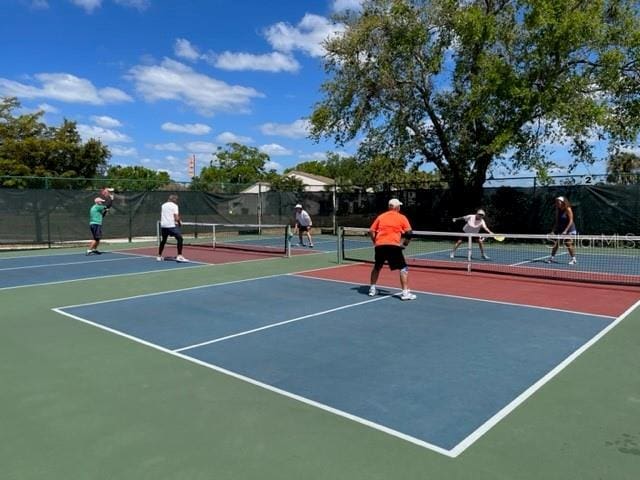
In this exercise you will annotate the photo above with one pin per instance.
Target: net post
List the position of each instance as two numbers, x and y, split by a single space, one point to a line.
213 235
158 233
469 247
340 244
287 241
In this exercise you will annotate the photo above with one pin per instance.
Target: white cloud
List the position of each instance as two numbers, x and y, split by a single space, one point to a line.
171 147
137 4
270 62
308 36
172 80
184 49
105 135
275 150
341 5
271 165
88 5
314 156
201 147
39 4
45 107
297 129
124 151
228 137
105 121
63 87
190 128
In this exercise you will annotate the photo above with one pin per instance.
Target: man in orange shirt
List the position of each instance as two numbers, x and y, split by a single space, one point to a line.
390 233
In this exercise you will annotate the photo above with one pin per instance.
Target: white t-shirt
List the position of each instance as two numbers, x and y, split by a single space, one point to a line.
473 224
167 218
303 219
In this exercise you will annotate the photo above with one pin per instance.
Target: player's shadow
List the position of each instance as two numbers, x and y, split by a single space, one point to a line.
364 290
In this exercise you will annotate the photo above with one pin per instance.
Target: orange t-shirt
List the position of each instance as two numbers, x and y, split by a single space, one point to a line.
389 227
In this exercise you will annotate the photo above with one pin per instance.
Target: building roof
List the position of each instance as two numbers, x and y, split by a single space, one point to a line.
317 178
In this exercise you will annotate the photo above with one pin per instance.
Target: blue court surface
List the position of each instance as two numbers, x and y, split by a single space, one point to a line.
42 269
438 371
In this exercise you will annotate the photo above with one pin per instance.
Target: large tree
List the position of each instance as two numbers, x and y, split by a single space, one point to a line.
380 172
463 84
235 164
136 178
623 167
29 147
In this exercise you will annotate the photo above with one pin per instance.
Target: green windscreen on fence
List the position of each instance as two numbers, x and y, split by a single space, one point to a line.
49 216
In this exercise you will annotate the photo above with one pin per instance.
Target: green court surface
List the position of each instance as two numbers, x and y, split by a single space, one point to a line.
77 403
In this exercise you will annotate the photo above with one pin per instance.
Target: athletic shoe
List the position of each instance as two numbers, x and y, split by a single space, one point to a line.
159 258
486 257
372 291
180 258
97 252
89 252
550 260
573 261
407 296
452 255
311 246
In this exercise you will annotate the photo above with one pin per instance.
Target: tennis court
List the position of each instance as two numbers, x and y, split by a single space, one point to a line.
284 367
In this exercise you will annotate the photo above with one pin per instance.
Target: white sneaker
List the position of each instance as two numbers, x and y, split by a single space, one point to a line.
573 261
452 255
550 260
180 258
372 291
407 296
159 258
486 257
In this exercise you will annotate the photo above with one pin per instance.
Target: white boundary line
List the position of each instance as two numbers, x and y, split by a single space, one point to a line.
485 427
435 294
266 386
164 292
278 324
195 265
91 262
453 453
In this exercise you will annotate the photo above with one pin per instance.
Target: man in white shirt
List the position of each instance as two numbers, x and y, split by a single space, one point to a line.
474 223
170 226
303 225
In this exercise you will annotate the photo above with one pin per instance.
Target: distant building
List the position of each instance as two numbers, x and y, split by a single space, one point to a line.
312 183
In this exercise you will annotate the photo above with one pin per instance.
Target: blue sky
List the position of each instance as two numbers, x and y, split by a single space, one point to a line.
161 80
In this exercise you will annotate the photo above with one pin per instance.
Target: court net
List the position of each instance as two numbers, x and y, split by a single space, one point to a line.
611 259
270 239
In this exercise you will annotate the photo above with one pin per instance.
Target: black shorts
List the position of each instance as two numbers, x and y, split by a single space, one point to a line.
391 254
171 232
303 228
96 231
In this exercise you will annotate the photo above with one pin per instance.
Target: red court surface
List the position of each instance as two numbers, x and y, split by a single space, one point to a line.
576 297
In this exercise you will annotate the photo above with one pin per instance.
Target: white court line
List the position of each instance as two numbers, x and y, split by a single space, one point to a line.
535 259
195 265
266 386
278 324
89 262
454 452
434 294
175 290
98 277
511 406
